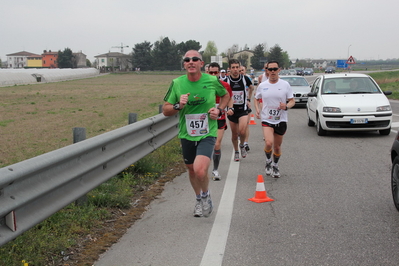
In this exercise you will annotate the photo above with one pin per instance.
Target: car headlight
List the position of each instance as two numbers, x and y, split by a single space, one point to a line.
331 109
383 108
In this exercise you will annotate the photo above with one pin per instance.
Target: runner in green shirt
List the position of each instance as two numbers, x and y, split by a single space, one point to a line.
194 97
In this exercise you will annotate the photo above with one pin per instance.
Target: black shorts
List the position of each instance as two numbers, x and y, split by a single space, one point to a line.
222 124
279 128
193 148
236 116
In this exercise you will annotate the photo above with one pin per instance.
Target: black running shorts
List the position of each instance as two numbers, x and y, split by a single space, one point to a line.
279 128
193 148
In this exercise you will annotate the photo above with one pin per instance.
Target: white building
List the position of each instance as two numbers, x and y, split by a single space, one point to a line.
114 60
18 60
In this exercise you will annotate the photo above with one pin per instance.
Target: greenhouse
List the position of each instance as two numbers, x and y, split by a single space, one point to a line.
11 77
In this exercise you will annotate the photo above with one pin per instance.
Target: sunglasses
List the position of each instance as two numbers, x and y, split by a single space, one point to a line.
272 69
194 58
213 72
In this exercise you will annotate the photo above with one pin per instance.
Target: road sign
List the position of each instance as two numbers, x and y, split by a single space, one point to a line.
351 60
341 64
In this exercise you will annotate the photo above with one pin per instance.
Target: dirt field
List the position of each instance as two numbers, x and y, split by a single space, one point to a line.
35 119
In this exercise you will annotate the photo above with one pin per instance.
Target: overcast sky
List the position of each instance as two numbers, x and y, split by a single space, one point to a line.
318 29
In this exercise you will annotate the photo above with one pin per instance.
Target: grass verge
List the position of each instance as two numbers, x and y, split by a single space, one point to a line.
60 239
388 81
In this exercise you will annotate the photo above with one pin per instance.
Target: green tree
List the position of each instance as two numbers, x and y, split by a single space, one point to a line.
210 50
66 59
183 47
276 53
88 63
286 63
165 55
142 57
259 53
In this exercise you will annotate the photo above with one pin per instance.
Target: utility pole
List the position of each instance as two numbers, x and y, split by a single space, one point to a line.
120 47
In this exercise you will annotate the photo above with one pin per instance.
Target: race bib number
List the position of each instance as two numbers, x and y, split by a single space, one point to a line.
238 97
197 124
274 113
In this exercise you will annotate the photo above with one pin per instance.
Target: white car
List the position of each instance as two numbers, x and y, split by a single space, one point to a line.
292 71
300 88
348 102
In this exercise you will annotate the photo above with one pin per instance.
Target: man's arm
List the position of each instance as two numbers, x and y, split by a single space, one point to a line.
249 96
290 103
216 112
167 109
224 100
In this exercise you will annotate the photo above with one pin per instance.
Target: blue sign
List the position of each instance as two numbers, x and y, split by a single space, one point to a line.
342 64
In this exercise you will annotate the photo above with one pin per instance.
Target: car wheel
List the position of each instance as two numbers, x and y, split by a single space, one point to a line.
310 122
385 132
395 182
320 130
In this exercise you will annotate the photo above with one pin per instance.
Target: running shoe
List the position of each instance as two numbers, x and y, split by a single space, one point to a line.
243 151
276 171
268 168
237 156
246 147
207 205
216 175
198 208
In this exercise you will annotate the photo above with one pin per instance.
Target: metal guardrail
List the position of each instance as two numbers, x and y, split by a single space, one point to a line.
33 190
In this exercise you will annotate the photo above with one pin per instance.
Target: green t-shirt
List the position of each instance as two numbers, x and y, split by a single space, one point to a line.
194 121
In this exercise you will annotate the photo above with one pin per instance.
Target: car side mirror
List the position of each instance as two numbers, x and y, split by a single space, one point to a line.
312 94
387 92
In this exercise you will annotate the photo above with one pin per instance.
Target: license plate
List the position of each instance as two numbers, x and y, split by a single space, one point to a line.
297 100
359 121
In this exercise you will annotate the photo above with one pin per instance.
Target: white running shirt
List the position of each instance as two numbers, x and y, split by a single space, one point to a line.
272 95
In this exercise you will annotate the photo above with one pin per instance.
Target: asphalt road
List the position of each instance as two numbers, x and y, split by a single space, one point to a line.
332 206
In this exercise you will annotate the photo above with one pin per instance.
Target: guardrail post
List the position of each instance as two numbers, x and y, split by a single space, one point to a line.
132 118
79 134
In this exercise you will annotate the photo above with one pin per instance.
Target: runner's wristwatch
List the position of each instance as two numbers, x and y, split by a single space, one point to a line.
220 111
176 106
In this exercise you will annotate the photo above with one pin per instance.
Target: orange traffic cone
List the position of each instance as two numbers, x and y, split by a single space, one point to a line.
252 121
260 193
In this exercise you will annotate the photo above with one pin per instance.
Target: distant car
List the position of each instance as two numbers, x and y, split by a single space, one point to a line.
395 171
348 102
330 69
300 88
255 81
308 71
292 71
253 78
284 72
299 71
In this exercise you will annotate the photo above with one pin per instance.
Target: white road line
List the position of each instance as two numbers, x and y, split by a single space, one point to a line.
216 245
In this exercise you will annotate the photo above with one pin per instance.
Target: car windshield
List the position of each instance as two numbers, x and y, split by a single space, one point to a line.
296 81
284 72
349 85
